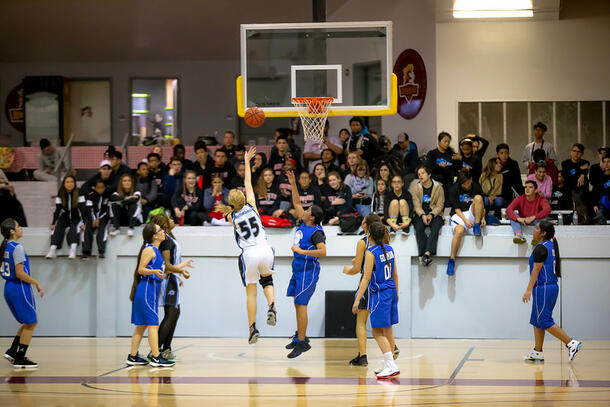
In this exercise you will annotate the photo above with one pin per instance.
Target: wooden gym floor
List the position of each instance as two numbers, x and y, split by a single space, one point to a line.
229 372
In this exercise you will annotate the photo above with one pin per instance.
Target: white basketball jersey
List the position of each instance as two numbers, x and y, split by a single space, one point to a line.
249 231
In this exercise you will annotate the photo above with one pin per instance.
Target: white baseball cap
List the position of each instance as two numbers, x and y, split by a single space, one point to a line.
105 162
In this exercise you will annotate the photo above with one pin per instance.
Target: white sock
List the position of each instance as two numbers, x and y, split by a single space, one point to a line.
387 359
73 246
53 247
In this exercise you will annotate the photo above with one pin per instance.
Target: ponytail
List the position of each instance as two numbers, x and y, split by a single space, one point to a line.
136 276
6 227
557 258
377 232
147 234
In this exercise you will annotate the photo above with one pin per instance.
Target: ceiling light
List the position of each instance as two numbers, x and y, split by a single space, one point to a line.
465 5
493 14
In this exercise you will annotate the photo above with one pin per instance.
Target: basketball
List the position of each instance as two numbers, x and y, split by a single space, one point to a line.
254 117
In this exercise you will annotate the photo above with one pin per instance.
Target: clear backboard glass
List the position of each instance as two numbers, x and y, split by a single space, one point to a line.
351 62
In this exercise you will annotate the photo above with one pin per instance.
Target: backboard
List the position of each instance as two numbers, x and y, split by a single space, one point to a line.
349 61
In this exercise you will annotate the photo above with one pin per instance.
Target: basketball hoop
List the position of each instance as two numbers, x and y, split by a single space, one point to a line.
313 112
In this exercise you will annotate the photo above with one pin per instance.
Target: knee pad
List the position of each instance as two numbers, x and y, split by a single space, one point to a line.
265 281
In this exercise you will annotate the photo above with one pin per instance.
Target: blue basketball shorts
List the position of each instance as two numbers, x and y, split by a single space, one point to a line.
544 298
383 306
303 281
20 301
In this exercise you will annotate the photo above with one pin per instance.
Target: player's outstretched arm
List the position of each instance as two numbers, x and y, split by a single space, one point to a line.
250 197
296 198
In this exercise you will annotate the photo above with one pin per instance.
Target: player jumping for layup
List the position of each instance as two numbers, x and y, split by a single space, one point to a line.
309 246
256 260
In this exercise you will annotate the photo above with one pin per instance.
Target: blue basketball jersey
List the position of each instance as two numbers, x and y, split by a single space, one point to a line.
8 262
547 273
302 238
383 269
156 263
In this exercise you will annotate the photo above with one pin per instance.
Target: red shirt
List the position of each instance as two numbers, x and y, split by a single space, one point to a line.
539 207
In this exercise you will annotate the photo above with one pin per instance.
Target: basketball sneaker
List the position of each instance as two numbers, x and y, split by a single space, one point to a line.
167 354
254 334
294 340
388 371
9 355
25 363
535 356
136 360
359 360
379 369
519 239
272 315
160 362
130 232
51 254
300 347
573 348
396 352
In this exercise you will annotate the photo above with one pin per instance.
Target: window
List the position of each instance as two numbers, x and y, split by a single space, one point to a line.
154 110
512 123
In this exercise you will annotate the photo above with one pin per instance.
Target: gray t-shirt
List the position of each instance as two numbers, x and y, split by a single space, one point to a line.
18 255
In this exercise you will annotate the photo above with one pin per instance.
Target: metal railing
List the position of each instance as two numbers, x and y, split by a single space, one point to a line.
65 156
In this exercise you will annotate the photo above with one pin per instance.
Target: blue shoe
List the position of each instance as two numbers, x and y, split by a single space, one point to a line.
294 340
451 267
135 360
477 229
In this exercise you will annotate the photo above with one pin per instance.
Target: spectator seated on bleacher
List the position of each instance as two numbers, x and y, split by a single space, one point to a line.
539 143
202 164
10 207
428 206
467 210
148 188
187 202
491 185
378 200
48 158
96 216
596 171
172 180
511 175
399 206
527 210
125 206
238 181
267 194
551 168
212 196
543 181
601 192
361 140
219 168
338 199
470 161
361 185
67 216
575 169
443 162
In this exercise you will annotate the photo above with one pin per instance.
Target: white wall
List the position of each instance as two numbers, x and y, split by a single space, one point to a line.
561 60
482 300
413 27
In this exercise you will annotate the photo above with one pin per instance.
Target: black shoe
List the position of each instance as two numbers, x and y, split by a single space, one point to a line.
84 257
396 352
253 335
426 260
160 362
359 360
10 355
295 340
25 363
136 360
300 347
272 315
100 255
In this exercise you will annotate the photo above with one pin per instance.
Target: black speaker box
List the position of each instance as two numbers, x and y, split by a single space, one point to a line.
339 321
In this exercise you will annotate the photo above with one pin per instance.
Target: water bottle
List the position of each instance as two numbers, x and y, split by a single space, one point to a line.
574 218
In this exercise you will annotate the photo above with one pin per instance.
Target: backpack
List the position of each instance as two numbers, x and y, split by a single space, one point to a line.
350 222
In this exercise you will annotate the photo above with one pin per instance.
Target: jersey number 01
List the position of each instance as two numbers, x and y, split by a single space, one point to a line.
248 230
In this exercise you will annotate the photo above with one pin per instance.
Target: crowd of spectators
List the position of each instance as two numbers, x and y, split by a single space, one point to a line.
351 173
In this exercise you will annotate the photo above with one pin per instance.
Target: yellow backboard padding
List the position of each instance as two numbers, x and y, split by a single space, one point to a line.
239 88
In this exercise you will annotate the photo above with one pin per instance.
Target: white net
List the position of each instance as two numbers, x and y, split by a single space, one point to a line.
313 112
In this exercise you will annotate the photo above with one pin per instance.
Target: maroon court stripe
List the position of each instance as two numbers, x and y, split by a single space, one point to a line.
297 380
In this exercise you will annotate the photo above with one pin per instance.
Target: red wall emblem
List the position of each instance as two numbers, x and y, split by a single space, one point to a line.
412 83
13 108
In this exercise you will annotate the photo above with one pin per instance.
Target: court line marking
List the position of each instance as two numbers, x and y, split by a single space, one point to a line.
212 355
